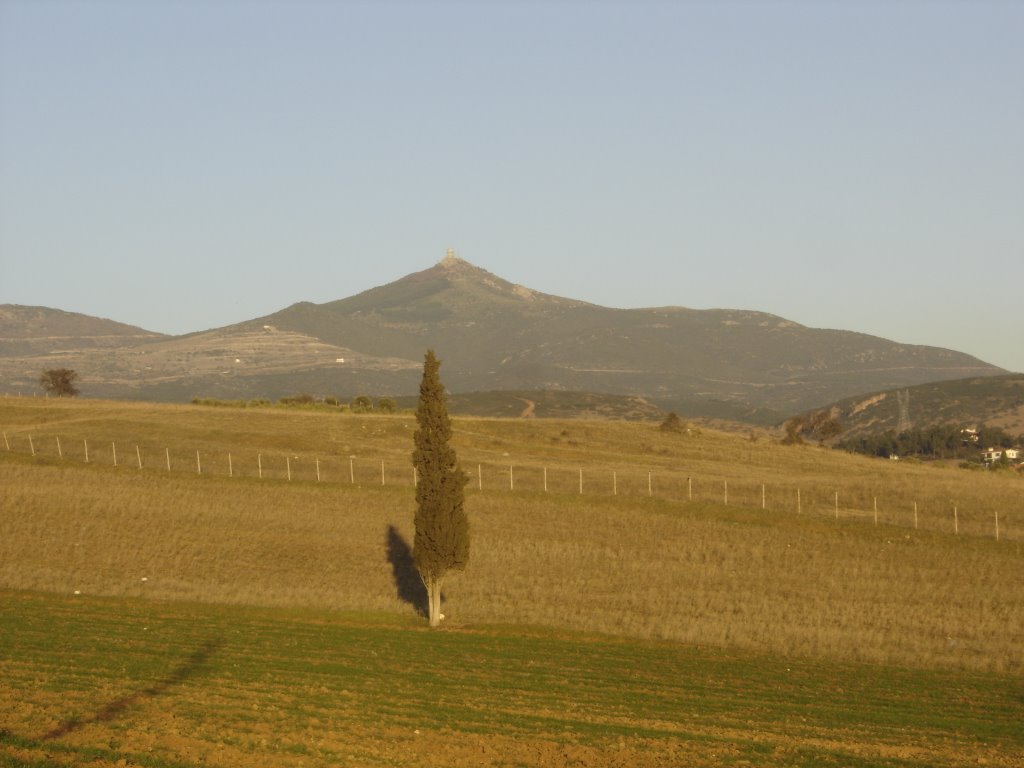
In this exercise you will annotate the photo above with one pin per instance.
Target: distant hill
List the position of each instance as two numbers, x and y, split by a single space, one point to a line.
34 339
493 335
990 401
41 330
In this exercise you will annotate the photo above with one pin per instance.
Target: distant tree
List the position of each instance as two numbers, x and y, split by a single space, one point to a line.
829 428
386 405
672 423
794 431
300 399
59 382
995 437
361 404
821 425
942 441
442 529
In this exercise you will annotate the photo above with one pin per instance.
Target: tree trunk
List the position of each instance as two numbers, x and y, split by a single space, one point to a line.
433 586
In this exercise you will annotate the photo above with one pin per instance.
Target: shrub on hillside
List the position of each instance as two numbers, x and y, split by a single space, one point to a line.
218 402
301 399
672 423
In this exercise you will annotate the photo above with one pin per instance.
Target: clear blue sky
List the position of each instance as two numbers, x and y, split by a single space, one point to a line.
855 165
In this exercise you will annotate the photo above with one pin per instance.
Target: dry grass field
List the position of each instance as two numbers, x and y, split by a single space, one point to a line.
210 615
623 558
614 458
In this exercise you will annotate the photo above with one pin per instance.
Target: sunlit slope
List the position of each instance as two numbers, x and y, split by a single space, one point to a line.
778 548
995 401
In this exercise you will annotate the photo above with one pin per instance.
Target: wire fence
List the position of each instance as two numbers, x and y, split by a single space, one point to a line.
850 502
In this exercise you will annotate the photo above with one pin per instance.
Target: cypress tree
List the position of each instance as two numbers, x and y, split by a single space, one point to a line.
442 530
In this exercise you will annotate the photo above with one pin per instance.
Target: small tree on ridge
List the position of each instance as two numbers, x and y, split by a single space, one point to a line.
442 529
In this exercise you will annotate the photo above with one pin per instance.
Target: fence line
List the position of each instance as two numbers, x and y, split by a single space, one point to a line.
562 480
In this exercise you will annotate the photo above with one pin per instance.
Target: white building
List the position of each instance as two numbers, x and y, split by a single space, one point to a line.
995 454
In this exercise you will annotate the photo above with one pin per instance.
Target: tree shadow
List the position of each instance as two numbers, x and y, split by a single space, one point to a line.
407 578
179 675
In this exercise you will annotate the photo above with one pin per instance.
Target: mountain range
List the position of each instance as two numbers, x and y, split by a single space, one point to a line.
492 335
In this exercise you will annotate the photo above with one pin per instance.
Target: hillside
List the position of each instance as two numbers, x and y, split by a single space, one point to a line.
34 331
493 335
990 401
114 359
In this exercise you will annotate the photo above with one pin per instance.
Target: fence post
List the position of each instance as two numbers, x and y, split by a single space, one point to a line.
763 506
351 470
874 502
726 492
615 484
231 469
6 443
167 454
60 453
545 479
138 455
113 448
415 478
199 466
318 470
382 471
581 480
479 477
259 464
689 489
997 525
31 445
915 515
288 464
86 444
799 508
650 487
511 479
956 521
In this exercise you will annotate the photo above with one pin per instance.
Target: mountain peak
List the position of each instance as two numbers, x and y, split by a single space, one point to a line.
461 272
451 261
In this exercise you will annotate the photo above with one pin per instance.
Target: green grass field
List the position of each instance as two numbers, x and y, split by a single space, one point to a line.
165 618
100 681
